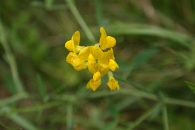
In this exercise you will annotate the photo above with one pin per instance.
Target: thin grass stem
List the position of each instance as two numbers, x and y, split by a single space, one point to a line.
142 94
69 116
165 117
13 99
180 102
80 20
144 116
11 60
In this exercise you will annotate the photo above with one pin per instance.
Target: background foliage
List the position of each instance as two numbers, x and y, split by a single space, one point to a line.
155 51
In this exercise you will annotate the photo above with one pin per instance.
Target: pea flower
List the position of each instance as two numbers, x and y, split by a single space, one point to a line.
73 44
106 41
112 82
98 59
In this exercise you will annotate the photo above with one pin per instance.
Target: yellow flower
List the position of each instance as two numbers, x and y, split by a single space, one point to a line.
76 62
112 83
73 44
106 41
99 59
93 84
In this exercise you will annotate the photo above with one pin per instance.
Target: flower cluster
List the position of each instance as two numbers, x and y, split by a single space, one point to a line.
98 59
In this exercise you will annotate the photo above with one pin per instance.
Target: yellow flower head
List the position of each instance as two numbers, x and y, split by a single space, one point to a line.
99 59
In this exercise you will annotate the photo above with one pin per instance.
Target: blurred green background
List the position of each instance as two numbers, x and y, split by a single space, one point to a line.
155 51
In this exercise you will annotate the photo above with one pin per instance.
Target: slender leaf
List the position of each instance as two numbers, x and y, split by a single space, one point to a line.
191 86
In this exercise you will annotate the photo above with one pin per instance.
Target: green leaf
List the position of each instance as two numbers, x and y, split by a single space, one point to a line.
21 121
139 60
191 86
41 87
119 28
111 125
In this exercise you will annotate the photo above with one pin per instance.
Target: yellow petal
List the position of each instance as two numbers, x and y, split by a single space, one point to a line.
93 84
113 84
81 67
91 59
69 45
105 59
84 53
110 41
79 64
70 57
91 63
73 44
96 52
75 61
103 69
110 53
102 40
106 41
96 76
113 65
76 38
103 32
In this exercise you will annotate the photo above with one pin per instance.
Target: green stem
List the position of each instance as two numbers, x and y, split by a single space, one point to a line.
39 107
5 126
80 20
144 116
69 116
165 117
110 74
13 99
10 59
18 119
179 102
138 93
